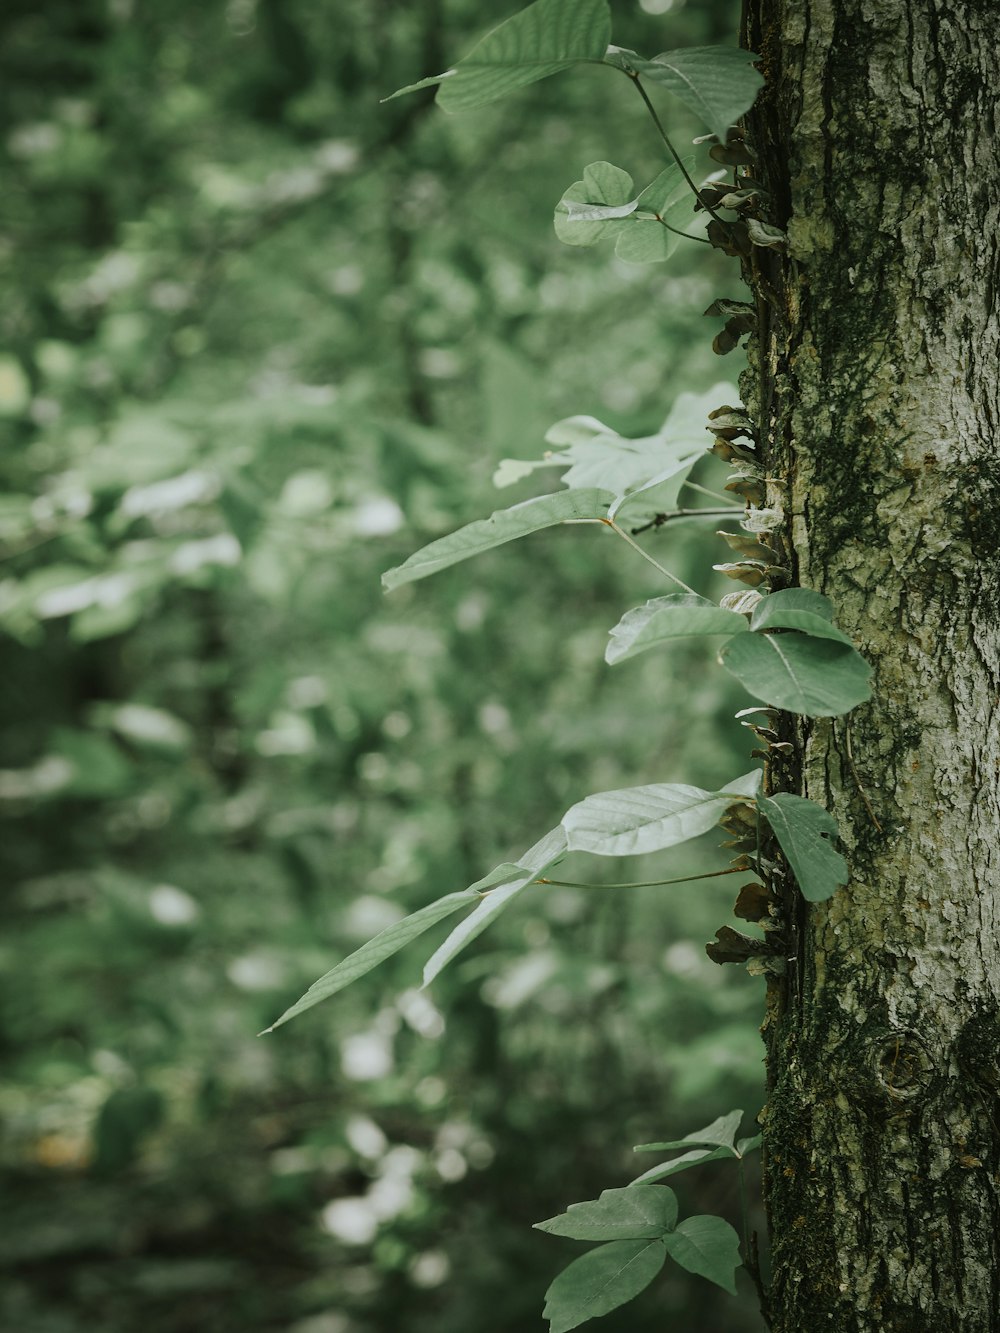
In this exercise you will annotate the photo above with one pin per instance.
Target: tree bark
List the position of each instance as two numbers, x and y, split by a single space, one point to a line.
874 379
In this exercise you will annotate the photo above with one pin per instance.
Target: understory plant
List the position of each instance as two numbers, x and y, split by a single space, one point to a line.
780 642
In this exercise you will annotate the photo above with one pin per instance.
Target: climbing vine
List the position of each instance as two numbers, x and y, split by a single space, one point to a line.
779 641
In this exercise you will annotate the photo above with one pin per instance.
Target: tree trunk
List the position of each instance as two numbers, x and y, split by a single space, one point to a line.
874 379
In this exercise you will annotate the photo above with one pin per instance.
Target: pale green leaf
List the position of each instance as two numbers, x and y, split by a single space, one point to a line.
626 466
636 1212
377 950
801 674
598 212
517 878
601 1281
707 1246
577 430
802 829
720 1133
511 470
543 39
697 1157
670 199
431 81
687 420
604 185
635 820
675 616
718 83
801 609
544 511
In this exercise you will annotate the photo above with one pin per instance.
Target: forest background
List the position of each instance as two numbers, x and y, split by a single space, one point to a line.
263 337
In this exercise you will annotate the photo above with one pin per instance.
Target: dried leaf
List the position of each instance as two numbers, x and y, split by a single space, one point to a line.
733 154
764 234
752 902
731 946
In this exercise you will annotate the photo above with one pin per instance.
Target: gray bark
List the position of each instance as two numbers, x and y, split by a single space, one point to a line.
876 382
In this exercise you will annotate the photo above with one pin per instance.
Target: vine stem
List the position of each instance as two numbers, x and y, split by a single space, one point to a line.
671 149
694 486
640 884
677 232
743 1209
659 519
646 556
610 523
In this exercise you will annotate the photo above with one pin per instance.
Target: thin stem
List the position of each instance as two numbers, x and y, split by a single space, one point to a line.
641 884
686 234
658 520
646 556
716 495
671 149
747 1259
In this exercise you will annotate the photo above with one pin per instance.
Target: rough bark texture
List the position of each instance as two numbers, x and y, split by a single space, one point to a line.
875 380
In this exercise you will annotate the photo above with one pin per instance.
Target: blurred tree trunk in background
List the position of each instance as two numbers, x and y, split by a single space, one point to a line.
875 381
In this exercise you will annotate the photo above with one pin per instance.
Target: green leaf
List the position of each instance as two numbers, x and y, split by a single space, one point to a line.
510 470
647 819
600 206
577 430
599 212
377 950
634 1213
543 39
596 456
603 185
718 83
802 828
801 609
675 616
720 1133
544 511
715 1141
697 1157
533 863
601 1281
793 671
707 1246
669 197
625 466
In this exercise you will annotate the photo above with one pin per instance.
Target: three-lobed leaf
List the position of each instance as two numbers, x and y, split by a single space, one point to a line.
635 820
799 672
637 1212
548 36
650 240
601 1281
677 615
802 829
600 207
603 186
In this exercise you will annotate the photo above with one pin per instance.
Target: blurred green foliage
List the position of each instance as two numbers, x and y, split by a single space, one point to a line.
262 338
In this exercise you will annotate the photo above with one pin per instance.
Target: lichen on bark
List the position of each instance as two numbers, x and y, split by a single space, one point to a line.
875 386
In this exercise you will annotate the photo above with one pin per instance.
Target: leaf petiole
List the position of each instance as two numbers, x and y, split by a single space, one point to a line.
642 884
